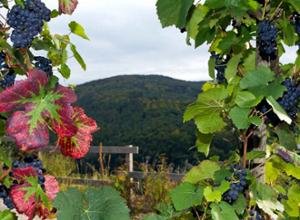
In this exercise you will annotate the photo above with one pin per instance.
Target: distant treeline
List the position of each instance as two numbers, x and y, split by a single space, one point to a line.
146 111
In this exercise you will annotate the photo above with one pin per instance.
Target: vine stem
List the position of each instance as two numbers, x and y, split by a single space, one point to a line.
245 147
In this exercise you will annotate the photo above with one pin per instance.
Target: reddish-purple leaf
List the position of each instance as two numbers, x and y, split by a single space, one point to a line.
78 145
18 128
67 6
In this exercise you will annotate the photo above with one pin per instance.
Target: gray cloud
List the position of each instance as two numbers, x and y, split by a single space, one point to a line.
127 38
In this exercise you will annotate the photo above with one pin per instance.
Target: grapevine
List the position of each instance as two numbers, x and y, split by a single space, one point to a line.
255 96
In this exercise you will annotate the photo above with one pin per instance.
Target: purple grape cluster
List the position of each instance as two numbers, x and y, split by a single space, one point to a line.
7 75
27 22
4 194
238 183
220 66
290 98
267 34
43 64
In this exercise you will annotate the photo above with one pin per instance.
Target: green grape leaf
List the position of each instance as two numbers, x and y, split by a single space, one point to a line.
278 110
289 36
78 30
240 117
296 4
173 12
20 2
185 196
65 71
205 170
232 65
240 204
293 203
207 109
58 56
215 194
255 154
245 99
210 122
7 215
198 15
78 56
215 4
211 67
249 62
274 89
221 174
203 143
292 170
54 13
256 78
256 120
228 41
271 172
101 203
223 211
286 137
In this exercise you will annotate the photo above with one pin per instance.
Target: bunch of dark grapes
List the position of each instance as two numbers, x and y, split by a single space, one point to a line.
7 75
267 34
43 64
4 194
290 98
27 22
34 162
255 215
220 66
238 183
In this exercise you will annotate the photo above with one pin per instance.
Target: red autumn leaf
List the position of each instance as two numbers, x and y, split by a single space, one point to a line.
65 127
67 6
27 207
14 96
51 186
22 173
78 145
18 128
41 104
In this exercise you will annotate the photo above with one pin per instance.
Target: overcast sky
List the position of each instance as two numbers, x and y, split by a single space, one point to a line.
126 38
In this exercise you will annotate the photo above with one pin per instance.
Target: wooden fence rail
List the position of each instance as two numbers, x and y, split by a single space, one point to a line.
137 175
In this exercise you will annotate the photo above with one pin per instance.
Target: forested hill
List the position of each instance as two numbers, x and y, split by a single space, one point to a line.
142 110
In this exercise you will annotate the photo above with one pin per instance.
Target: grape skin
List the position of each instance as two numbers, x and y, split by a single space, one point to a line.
267 34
